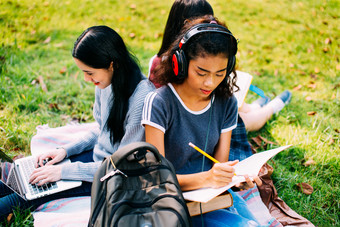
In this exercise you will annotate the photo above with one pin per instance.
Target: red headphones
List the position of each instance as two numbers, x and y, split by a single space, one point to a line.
179 62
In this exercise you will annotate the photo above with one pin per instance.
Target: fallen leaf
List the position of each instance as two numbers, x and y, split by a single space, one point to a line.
9 217
311 85
338 67
276 72
75 119
308 98
291 65
301 72
325 49
314 76
305 188
65 117
333 96
42 84
157 35
331 141
328 41
261 141
47 40
311 113
257 73
257 140
58 45
63 70
253 149
337 130
265 140
53 106
133 6
316 70
309 50
132 35
309 162
34 82
163 11
297 87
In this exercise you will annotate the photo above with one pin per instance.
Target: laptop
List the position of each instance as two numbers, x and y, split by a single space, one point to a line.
18 179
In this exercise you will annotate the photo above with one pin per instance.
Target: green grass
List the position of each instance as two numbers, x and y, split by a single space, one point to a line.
282 43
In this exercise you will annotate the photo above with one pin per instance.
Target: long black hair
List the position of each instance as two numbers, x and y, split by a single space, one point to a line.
97 47
180 11
200 45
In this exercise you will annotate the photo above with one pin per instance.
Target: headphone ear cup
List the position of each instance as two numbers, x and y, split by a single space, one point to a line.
179 64
231 65
175 59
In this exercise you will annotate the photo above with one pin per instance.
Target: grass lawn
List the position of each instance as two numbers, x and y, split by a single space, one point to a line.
285 44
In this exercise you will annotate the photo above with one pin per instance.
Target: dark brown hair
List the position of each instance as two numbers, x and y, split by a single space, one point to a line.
201 45
182 10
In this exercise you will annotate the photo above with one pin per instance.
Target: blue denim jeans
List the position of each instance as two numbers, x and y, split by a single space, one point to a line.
236 215
10 200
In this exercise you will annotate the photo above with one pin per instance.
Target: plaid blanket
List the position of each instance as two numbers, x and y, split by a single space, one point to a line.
76 211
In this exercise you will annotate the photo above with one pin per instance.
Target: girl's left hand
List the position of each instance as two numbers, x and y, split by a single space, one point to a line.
46 174
249 183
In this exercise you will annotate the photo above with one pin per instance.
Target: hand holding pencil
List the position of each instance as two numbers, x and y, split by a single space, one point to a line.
205 154
220 174
249 182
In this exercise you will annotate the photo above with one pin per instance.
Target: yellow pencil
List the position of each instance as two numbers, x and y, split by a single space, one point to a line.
204 153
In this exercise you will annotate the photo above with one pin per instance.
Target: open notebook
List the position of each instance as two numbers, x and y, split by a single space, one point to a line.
250 166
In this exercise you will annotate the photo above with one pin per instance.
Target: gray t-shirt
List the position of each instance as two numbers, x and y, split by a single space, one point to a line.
164 110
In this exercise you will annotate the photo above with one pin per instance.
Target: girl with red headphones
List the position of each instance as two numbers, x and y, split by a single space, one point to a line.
195 104
253 116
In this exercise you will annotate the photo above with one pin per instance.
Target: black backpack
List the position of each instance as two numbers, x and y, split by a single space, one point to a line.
134 187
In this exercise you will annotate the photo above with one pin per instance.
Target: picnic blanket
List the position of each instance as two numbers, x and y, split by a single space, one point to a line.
75 211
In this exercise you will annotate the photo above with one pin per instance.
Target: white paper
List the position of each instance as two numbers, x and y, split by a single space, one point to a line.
243 81
250 166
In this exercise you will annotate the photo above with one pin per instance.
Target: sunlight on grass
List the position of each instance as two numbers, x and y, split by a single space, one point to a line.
285 44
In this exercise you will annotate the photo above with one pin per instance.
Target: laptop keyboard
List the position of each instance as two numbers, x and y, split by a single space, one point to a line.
28 167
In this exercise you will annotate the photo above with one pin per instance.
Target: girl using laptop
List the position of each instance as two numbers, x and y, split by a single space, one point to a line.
120 89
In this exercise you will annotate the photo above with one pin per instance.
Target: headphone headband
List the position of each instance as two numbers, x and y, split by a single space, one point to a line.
179 62
200 28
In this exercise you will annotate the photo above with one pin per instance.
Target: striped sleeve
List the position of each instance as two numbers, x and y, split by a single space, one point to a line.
154 112
230 121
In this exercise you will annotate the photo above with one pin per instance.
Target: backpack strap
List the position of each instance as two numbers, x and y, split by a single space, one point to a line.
137 150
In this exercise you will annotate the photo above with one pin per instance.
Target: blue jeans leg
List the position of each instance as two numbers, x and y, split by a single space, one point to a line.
236 215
